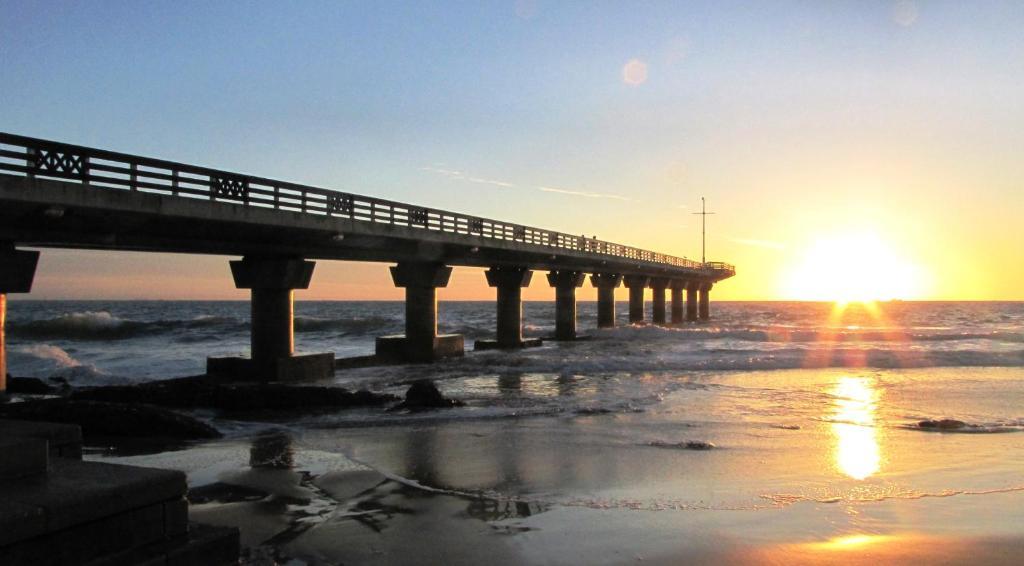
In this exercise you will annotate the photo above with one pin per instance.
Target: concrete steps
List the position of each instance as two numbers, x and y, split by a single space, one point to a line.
22 457
59 510
64 440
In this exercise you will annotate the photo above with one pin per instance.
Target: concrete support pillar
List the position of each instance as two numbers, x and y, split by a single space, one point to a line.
658 286
565 284
17 271
636 285
691 300
3 345
272 282
420 280
677 286
273 319
605 284
510 282
705 301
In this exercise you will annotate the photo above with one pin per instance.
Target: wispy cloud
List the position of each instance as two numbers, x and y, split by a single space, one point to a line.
494 182
584 194
458 175
463 176
760 243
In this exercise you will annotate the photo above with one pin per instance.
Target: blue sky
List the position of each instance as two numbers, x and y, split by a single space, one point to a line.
773 110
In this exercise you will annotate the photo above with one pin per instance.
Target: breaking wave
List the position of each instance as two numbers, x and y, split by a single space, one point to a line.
101 325
57 364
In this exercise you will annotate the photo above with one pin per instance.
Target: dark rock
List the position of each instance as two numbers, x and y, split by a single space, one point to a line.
29 385
593 411
686 445
103 419
61 382
423 394
942 424
201 391
272 449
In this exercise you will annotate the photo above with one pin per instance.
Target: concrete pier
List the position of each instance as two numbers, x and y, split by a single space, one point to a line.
658 286
17 271
272 281
705 301
565 284
420 343
677 286
605 283
51 196
636 285
509 281
691 300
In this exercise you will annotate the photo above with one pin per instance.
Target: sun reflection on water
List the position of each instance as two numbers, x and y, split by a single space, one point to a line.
857 452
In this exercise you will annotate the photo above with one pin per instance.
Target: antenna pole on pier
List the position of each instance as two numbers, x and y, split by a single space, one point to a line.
703 216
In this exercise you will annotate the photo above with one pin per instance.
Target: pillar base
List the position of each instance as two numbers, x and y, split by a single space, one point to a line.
306 367
395 348
494 345
577 338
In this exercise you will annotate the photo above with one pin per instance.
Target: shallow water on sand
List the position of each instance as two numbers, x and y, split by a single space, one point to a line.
785 466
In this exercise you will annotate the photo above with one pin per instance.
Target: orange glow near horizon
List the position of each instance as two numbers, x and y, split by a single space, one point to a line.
852 267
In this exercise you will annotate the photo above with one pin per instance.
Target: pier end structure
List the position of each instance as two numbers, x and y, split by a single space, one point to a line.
692 288
704 306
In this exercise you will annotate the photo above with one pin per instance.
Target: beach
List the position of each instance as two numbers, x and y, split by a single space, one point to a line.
777 433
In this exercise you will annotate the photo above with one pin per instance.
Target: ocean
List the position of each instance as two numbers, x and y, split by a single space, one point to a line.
101 342
792 429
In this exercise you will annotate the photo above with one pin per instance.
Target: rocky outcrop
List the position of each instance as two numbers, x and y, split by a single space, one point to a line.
30 386
423 394
104 419
685 445
201 391
942 424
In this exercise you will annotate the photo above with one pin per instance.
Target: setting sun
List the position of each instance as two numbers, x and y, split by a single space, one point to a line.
852 267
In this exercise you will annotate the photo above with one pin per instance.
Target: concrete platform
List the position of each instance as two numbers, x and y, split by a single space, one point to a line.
81 511
306 367
64 440
392 348
60 510
202 545
23 457
77 492
578 338
493 344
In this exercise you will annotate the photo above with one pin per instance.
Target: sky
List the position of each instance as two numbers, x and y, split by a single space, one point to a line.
848 149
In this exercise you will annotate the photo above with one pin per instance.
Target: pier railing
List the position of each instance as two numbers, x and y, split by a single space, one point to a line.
101 169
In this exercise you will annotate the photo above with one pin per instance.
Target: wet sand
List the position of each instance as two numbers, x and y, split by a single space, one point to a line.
848 482
328 510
